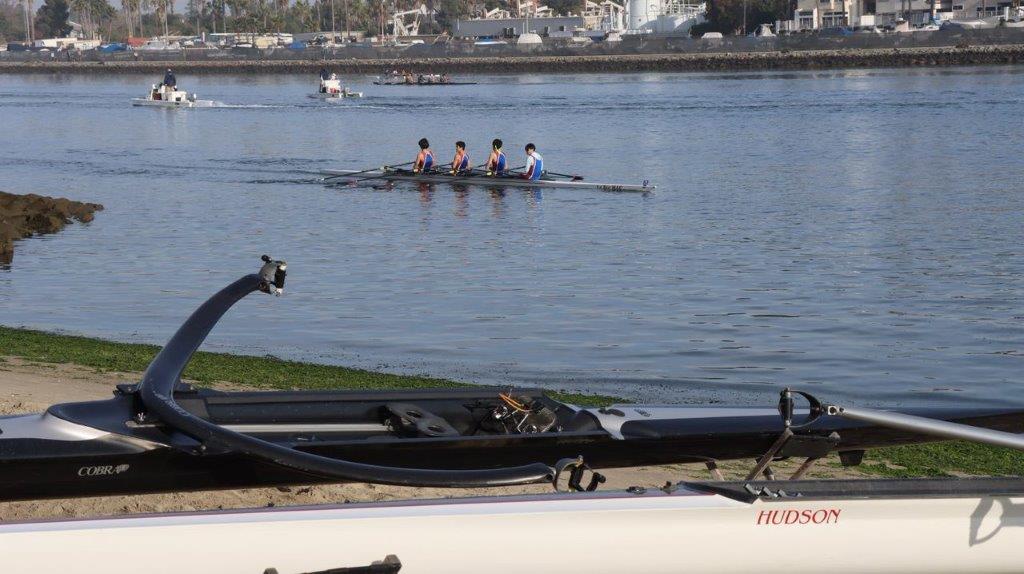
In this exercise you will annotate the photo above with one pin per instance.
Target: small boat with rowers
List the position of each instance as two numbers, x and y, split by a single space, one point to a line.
331 89
408 79
494 173
167 95
480 179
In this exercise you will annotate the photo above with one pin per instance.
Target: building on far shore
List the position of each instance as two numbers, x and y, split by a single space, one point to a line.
822 14
515 27
596 19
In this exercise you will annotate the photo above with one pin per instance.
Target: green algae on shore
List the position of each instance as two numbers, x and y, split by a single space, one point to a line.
932 459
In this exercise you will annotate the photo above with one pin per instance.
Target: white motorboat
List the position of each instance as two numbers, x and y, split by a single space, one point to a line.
331 88
164 96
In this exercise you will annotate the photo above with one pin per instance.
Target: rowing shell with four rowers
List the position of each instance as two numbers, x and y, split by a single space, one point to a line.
461 171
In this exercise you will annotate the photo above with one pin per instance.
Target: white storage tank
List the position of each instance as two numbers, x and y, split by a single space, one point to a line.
642 12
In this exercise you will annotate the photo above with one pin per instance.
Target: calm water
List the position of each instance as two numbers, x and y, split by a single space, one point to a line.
856 233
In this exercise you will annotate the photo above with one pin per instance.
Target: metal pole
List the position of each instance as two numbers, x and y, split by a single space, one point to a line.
348 33
943 429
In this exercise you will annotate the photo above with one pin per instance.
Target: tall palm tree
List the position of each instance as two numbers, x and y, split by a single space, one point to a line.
128 7
80 8
144 6
161 7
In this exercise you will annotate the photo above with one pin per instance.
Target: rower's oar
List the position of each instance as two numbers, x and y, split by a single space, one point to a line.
383 173
572 177
367 170
467 172
515 170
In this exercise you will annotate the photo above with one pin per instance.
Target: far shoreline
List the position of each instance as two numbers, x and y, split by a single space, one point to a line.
783 60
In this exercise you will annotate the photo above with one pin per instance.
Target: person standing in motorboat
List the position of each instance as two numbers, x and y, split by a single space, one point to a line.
324 76
169 80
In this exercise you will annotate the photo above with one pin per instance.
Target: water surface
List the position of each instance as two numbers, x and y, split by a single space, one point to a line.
855 233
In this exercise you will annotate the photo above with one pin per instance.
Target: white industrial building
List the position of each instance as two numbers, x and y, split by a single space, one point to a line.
663 16
512 27
632 16
823 14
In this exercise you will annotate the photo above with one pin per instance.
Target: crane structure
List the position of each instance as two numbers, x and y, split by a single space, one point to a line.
606 15
496 14
407 23
532 9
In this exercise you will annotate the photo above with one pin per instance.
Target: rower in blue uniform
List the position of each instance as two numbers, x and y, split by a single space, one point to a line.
496 164
425 160
460 164
534 163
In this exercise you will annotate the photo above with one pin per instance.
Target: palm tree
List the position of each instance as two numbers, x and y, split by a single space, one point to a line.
80 8
128 7
160 7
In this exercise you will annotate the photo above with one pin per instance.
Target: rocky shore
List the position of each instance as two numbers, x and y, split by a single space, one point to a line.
26 215
680 62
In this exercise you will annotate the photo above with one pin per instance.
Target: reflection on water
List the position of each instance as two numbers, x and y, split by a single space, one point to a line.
856 231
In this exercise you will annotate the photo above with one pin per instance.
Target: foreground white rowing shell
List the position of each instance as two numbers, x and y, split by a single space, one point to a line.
686 531
483 180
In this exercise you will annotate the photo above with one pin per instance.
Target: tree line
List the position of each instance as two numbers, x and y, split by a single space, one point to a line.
145 18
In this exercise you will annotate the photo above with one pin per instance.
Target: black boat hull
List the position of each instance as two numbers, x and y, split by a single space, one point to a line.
55 456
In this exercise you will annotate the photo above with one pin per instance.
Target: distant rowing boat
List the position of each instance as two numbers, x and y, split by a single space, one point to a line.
421 80
387 83
488 181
